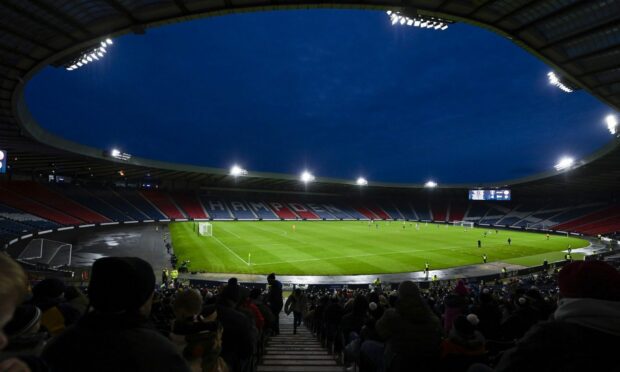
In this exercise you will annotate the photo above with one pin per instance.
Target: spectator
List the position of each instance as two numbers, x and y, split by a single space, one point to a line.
198 338
464 345
455 305
585 330
412 333
76 299
116 335
49 296
296 303
13 285
274 300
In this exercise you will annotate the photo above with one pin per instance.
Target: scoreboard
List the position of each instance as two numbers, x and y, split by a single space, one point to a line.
489 194
2 161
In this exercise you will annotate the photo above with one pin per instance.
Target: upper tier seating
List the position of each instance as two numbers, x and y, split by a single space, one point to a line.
190 204
322 211
262 210
241 210
282 210
46 196
17 201
457 211
406 210
216 208
112 198
163 202
391 210
440 211
302 211
142 204
84 197
367 213
32 222
343 209
421 209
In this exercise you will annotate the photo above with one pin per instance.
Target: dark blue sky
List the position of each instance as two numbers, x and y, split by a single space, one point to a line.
342 93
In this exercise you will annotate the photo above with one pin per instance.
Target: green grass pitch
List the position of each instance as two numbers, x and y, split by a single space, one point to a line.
355 247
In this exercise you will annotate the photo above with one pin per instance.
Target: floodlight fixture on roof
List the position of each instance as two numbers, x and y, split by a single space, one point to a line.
559 82
118 154
236 170
419 20
612 123
565 163
307 177
361 181
91 54
430 184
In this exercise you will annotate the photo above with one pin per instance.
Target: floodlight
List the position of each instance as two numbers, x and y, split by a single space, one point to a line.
307 177
362 181
236 170
403 20
612 123
116 153
109 41
389 12
430 184
103 44
564 163
556 81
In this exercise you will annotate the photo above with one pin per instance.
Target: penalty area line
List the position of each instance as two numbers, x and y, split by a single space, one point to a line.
230 250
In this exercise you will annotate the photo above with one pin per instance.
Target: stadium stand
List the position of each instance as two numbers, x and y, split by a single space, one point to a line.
241 210
406 210
378 211
391 210
112 198
38 192
190 205
83 196
588 219
323 213
422 210
367 213
282 211
440 211
32 207
140 203
339 209
32 222
302 211
163 202
262 210
216 208
457 211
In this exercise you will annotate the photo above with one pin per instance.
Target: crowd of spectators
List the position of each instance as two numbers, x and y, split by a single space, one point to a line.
123 321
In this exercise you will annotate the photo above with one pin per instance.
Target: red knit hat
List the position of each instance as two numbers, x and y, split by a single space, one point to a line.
590 279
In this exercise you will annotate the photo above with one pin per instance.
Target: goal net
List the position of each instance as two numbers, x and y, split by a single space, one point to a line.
48 252
205 229
468 224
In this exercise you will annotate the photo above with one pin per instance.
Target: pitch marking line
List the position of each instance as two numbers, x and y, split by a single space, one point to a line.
230 232
230 250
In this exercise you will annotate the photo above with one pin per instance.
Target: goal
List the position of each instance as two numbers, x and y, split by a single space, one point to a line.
48 252
469 224
205 229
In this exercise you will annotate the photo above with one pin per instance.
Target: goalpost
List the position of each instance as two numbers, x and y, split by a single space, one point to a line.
469 224
205 229
49 252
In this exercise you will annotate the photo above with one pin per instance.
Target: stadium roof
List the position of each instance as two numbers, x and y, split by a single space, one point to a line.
580 40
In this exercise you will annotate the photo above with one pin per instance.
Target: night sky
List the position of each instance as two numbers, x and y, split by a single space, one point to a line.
341 93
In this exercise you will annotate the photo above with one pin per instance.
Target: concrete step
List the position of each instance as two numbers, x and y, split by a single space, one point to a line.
298 357
262 368
310 362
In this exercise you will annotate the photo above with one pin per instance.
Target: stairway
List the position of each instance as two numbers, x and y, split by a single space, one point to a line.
296 353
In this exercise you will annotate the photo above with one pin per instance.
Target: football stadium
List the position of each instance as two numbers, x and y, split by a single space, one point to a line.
305 186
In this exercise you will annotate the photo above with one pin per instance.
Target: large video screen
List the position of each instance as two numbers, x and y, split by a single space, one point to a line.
2 161
489 194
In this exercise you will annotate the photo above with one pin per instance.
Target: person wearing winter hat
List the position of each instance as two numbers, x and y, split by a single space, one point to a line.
26 338
116 335
585 330
411 331
455 304
48 295
464 345
13 289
